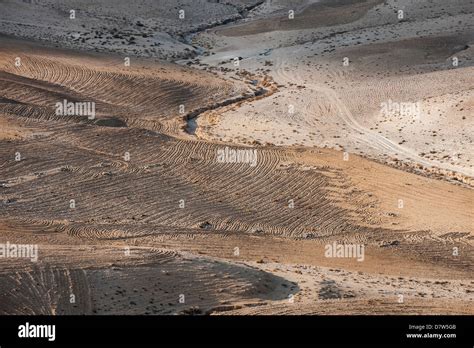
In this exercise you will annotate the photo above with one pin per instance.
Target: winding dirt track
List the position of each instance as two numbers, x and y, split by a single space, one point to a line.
340 106
371 138
130 246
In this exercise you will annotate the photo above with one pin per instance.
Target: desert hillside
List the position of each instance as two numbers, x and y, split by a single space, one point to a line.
206 164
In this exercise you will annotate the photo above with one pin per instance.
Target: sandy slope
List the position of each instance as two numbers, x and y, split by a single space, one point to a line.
338 106
236 246
150 28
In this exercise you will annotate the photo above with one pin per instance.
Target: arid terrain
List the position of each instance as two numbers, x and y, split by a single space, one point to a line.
135 209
